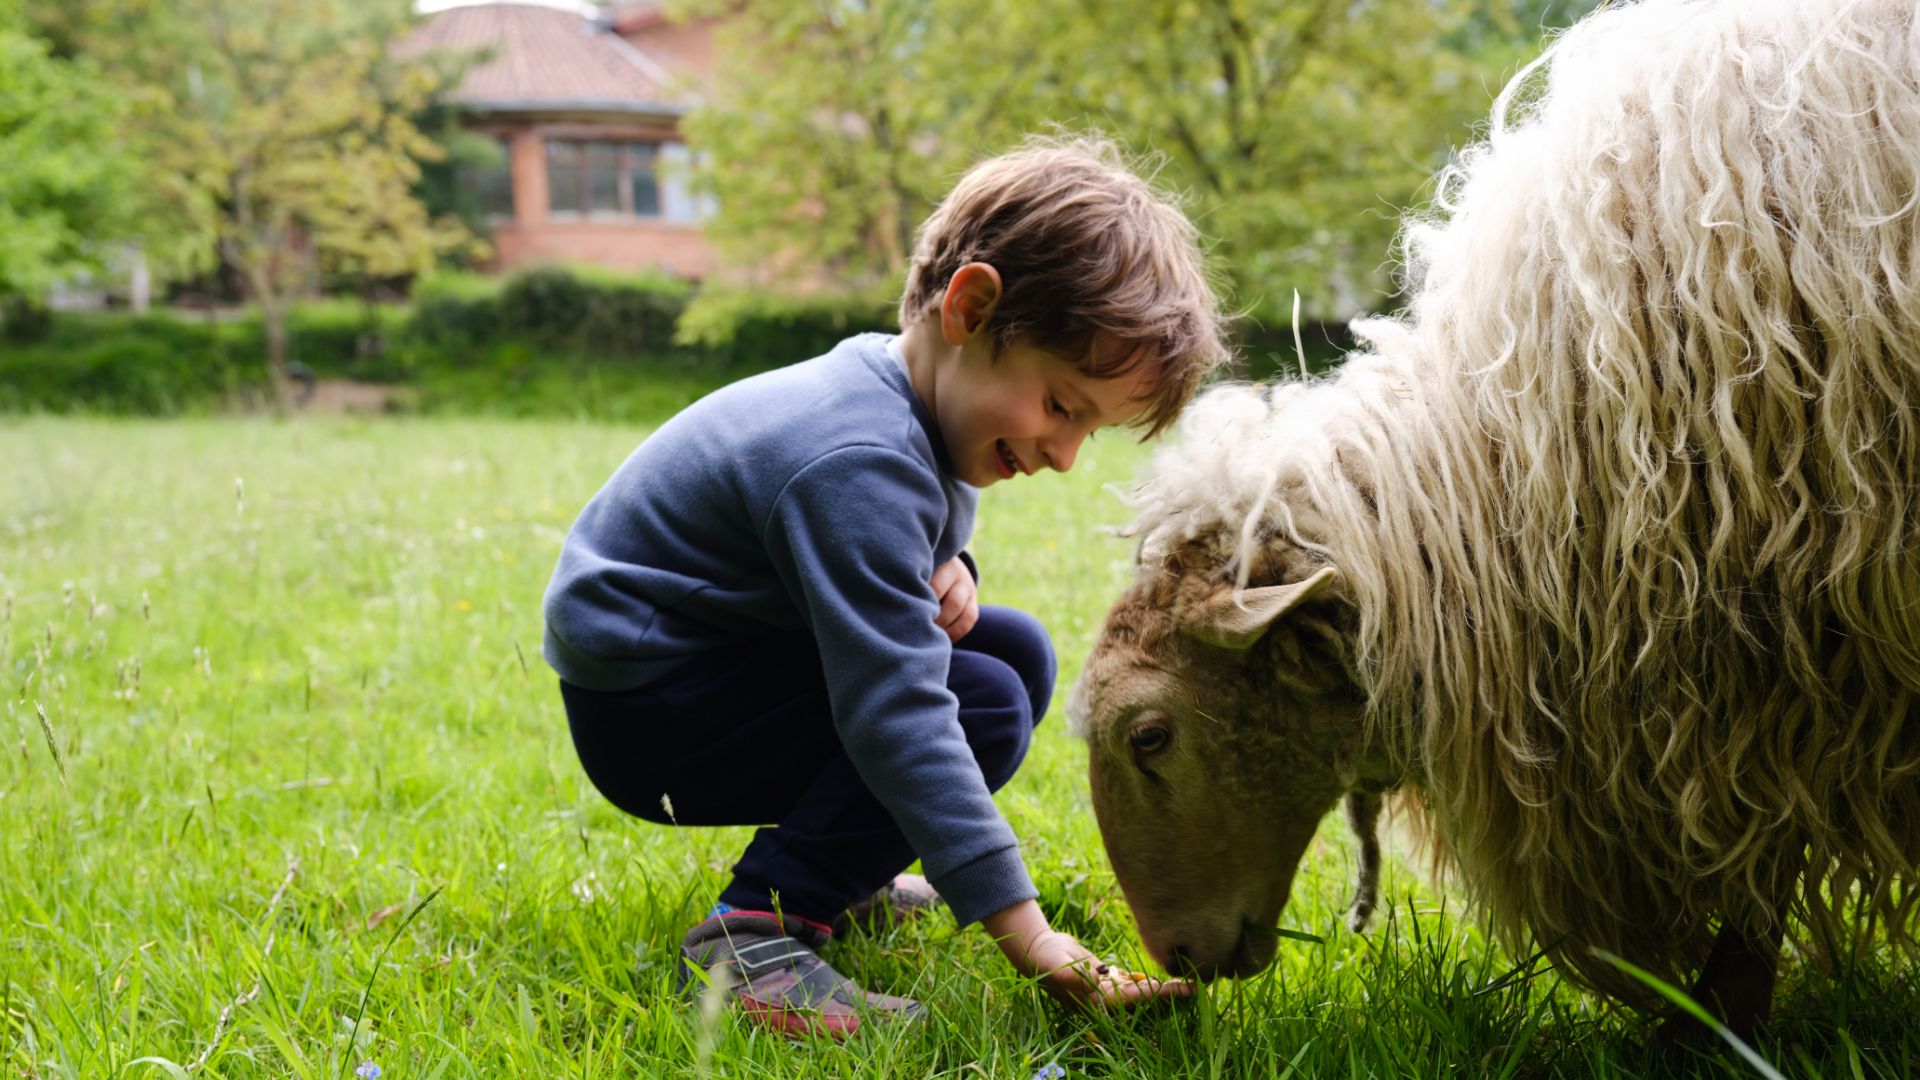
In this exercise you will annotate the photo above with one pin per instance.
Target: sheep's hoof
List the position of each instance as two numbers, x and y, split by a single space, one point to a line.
1736 984
1358 916
1681 1035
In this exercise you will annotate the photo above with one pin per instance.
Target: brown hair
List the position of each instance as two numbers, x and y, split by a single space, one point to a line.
1095 265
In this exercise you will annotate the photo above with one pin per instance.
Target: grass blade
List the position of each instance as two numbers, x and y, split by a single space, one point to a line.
1692 1008
353 1034
53 744
1283 932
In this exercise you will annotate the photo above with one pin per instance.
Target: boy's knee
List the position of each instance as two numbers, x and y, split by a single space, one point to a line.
1023 644
1001 747
996 714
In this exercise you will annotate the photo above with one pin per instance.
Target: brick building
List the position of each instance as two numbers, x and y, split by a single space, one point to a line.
586 105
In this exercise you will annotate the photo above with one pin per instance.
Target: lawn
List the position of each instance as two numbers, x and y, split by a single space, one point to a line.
285 789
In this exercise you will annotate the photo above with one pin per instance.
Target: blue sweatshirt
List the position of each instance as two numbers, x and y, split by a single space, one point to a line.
814 497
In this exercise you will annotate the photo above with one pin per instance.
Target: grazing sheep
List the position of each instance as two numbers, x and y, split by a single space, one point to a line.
1607 556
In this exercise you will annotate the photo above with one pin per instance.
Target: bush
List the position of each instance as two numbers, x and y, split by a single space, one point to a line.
551 341
147 365
747 329
601 314
455 312
337 339
24 319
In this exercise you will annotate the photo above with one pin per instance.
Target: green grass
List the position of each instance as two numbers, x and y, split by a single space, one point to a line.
306 654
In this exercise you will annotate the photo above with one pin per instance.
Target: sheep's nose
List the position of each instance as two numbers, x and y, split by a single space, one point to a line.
1180 962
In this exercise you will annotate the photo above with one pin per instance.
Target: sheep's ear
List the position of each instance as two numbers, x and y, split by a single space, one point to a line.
1237 620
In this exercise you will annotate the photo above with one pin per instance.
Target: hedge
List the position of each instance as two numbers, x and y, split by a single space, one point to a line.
545 341
465 342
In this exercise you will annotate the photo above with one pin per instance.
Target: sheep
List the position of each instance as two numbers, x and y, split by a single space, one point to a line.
1605 555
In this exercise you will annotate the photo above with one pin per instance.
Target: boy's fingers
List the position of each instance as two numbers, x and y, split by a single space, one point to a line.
951 610
947 576
964 622
1120 988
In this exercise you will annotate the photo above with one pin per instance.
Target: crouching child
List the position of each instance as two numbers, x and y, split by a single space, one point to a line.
767 615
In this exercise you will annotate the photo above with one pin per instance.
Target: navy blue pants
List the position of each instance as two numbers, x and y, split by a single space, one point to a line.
745 737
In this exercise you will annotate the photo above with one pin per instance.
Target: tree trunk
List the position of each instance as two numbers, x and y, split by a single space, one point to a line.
273 322
273 319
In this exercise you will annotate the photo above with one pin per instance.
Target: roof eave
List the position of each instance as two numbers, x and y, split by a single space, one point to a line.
664 109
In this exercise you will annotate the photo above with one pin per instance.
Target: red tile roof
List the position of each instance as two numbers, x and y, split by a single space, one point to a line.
639 15
545 58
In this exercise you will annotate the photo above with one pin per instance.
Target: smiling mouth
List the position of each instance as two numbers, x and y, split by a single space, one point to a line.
1003 456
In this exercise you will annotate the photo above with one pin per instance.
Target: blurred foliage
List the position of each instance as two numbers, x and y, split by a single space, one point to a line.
768 327
282 136
1297 129
551 341
544 342
441 189
837 124
278 132
69 189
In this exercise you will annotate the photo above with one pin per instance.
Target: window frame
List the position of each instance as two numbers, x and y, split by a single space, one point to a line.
579 148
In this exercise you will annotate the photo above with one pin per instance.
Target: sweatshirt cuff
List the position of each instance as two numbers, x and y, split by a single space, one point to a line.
988 884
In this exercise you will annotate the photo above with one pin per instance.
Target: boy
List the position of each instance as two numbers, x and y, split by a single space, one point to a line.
766 616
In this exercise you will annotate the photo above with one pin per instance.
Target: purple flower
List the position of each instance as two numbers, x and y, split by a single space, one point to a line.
1050 1071
367 1071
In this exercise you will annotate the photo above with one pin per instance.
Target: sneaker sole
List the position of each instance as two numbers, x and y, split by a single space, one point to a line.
798 1023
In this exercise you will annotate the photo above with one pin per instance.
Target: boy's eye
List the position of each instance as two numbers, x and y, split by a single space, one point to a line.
1054 404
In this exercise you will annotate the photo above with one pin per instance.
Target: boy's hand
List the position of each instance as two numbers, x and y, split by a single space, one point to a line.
959 600
1074 976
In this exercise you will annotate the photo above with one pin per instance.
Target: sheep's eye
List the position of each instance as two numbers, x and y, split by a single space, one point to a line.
1148 740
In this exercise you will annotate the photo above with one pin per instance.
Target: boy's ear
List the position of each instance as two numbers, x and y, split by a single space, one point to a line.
971 296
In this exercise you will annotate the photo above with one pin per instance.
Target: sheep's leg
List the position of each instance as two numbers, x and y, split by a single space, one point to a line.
1736 985
1363 816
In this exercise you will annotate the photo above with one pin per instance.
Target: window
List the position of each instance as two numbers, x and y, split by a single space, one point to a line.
604 178
643 184
566 173
679 199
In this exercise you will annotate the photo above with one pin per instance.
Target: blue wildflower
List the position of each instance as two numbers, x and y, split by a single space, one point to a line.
367 1071
1050 1071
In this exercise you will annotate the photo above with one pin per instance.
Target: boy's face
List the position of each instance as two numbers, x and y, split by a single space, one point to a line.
1026 410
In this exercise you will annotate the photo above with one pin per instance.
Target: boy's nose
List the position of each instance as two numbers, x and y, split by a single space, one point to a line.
1062 449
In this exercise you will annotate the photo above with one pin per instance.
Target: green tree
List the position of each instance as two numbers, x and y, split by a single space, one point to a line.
281 133
838 124
1299 129
68 190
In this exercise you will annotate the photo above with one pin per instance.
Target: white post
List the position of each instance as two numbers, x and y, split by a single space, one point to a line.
140 283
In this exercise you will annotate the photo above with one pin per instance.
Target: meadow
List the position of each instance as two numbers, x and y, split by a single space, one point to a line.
286 790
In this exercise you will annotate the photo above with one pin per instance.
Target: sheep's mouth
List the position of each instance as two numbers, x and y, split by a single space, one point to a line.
1253 952
1250 955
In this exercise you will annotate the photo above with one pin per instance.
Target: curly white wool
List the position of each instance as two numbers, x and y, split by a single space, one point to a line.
1628 508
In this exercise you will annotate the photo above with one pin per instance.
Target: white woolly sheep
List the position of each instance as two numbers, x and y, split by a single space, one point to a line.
1607 555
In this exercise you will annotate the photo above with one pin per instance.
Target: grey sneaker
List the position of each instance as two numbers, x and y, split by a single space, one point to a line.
777 979
907 896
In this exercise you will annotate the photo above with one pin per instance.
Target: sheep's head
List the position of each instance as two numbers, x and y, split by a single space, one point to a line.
1221 727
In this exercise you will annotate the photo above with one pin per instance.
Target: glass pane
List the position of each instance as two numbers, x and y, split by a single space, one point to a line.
678 196
603 176
643 183
493 183
563 176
